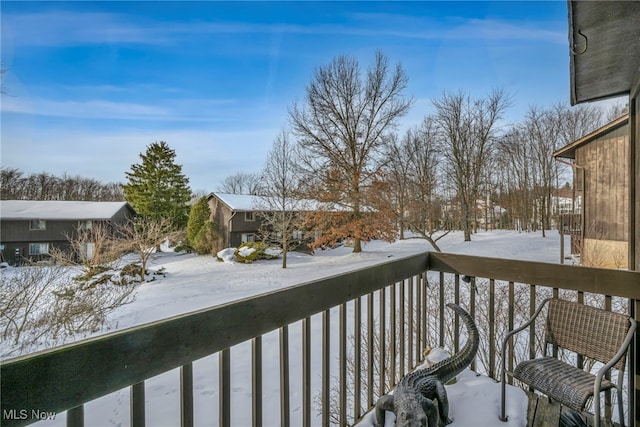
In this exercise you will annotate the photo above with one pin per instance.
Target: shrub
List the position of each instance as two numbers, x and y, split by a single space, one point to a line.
251 251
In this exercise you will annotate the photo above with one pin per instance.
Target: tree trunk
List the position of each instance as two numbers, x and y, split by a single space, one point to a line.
357 246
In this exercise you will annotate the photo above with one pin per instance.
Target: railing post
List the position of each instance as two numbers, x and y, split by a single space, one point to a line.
225 388
306 372
256 381
342 351
441 310
75 417
357 361
326 373
137 405
382 349
370 351
492 328
285 416
186 395
634 368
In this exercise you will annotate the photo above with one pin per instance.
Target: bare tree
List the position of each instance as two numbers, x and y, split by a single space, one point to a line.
616 111
515 164
342 128
143 236
577 121
397 173
92 247
241 183
541 130
45 186
468 131
280 203
40 304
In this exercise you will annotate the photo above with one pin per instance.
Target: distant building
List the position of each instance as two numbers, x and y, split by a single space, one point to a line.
601 166
239 217
29 229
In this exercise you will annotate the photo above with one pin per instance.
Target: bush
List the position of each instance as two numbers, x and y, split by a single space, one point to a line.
251 251
207 239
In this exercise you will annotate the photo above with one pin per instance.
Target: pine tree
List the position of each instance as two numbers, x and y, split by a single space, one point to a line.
157 188
198 216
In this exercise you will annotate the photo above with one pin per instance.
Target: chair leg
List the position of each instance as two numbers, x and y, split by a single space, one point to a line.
620 408
596 410
503 386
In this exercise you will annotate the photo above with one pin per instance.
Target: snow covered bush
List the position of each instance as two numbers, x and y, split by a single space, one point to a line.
251 251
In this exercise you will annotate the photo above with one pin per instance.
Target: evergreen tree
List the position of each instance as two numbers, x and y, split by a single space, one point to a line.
157 188
198 216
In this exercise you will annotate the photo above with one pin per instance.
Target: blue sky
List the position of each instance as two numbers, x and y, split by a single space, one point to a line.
92 84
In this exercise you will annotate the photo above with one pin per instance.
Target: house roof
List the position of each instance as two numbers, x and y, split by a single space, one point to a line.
59 210
604 48
249 202
569 151
238 202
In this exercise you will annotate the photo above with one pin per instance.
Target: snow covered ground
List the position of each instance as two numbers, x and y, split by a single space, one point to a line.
195 282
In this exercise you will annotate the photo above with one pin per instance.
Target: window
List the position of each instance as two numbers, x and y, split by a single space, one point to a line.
248 237
248 216
38 248
85 225
298 235
37 224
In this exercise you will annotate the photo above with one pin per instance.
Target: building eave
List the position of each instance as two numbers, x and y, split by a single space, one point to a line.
604 49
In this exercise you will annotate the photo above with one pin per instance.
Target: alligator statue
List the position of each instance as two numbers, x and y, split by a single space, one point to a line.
412 399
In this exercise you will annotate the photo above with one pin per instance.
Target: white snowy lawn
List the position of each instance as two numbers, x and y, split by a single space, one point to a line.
195 282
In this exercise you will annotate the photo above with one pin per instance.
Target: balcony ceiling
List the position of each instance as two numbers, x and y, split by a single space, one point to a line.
604 46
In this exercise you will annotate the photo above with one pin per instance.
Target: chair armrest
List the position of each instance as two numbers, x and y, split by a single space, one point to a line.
616 357
517 330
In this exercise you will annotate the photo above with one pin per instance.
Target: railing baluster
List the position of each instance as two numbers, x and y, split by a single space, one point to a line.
510 328
532 328
554 347
137 405
370 351
456 318
404 348
285 414
75 417
342 351
424 286
357 368
256 381
580 358
492 328
326 374
472 311
224 388
411 317
393 338
186 395
306 372
382 349
417 316
441 342
607 394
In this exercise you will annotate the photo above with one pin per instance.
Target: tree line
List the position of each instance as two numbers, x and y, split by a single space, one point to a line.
462 166
16 185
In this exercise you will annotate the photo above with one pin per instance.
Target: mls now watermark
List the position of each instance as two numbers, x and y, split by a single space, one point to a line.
24 414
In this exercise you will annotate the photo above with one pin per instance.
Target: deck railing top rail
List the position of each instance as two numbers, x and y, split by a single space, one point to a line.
620 283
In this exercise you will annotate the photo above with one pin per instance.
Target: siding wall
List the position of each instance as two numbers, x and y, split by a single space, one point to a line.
606 187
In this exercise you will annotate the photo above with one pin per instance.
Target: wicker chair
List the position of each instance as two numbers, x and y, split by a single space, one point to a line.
598 334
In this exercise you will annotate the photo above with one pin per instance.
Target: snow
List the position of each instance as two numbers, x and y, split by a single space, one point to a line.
194 282
58 209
